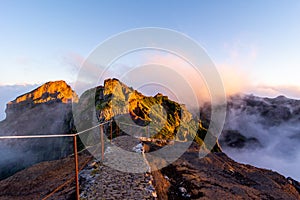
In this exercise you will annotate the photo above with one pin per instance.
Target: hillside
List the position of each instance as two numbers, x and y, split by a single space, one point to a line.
216 176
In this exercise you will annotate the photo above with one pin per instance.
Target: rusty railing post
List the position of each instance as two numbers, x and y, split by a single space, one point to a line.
102 142
76 166
111 129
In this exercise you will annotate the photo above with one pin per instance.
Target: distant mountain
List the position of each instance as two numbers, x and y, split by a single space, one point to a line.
264 132
46 110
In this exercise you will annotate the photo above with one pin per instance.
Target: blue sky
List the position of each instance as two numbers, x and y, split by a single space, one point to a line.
257 41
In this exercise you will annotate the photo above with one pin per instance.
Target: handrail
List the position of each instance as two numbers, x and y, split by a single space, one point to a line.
51 136
74 147
94 127
36 136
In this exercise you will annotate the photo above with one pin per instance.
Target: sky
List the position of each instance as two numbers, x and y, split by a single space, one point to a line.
255 45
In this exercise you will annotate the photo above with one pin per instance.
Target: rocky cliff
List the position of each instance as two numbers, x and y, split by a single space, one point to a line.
44 111
116 100
128 108
48 93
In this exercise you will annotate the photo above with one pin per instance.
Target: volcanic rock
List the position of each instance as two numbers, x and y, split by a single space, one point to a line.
46 110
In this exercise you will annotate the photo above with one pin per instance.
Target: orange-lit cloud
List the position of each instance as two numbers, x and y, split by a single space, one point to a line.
191 84
235 80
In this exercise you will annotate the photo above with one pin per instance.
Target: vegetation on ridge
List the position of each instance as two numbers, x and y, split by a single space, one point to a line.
158 116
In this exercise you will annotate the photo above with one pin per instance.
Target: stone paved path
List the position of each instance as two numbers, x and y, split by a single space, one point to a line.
122 175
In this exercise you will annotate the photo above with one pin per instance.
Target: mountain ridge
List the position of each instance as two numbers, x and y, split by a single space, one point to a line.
114 100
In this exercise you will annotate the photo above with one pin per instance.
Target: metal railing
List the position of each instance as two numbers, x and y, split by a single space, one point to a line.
145 130
75 150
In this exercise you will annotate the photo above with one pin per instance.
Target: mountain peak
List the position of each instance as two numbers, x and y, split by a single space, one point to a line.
58 91
48 93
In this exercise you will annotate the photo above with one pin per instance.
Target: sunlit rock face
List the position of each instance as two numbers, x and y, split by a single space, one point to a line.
51 92
46 110
115 101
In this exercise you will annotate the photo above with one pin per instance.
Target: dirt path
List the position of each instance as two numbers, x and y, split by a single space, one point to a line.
115 178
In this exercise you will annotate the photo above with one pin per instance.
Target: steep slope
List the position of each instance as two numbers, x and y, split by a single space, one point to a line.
44 111
40 180
216 176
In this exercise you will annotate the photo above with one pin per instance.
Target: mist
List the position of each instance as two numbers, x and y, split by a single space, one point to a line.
279 141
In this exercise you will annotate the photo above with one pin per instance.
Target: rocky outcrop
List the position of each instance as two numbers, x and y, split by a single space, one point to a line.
160 116
46 110
48 93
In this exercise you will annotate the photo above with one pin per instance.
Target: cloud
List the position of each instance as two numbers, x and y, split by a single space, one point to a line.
290 91
235 76
279 148
235 79
178 77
